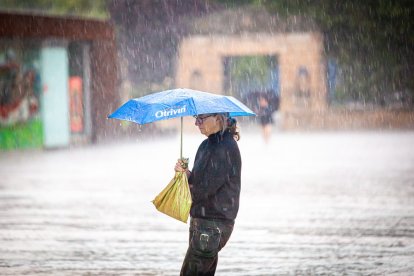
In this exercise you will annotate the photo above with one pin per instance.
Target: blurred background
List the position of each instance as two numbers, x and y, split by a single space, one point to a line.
66 65
328 163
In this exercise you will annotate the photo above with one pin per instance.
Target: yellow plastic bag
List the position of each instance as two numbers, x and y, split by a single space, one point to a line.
175 199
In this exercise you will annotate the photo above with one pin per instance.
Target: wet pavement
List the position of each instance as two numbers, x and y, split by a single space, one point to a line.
312 204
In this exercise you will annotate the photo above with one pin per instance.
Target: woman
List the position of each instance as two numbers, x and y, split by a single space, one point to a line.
266 120
215 191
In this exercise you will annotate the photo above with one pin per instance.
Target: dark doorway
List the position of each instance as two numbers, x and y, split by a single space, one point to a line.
79 92
248 77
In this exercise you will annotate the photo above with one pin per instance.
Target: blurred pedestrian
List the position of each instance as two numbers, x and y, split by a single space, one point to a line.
215 190
265 113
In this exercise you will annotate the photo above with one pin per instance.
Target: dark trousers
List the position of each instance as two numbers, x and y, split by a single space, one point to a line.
207 238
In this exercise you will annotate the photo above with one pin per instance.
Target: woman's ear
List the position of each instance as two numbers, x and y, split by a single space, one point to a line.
217 118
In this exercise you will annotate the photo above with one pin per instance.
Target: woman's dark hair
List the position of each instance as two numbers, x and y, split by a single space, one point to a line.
229 124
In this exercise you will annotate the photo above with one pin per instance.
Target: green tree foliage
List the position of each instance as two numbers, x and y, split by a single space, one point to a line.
373 41
250 67
85 8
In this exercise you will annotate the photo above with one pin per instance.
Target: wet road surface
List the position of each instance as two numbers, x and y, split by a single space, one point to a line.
311 204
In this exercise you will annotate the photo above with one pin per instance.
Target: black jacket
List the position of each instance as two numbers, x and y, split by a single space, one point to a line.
215 178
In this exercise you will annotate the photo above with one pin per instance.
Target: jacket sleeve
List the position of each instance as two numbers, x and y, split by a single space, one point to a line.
190 179
223 167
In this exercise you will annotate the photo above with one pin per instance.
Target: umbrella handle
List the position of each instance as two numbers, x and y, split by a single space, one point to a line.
181 142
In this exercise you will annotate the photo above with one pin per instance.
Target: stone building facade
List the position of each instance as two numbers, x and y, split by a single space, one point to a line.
302 68
204 56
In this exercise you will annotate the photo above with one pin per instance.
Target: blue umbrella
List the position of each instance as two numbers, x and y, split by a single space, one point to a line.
178 103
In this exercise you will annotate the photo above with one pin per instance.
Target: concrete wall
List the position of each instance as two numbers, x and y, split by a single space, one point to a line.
303 99
204 54
345 119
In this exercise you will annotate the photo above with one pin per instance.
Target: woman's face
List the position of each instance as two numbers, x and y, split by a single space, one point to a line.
208 124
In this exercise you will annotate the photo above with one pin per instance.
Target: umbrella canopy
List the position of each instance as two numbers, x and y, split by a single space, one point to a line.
178 103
